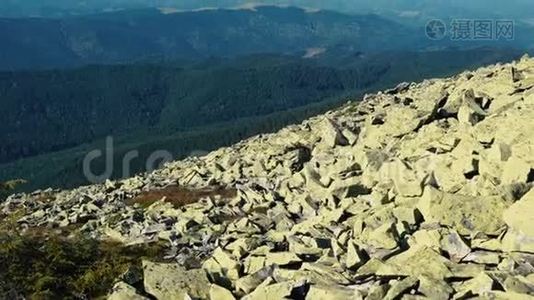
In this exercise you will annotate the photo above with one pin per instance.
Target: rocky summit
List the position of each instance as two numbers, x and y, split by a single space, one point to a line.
418 192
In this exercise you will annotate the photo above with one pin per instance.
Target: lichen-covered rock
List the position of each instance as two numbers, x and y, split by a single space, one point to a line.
479 285
466 214
220 293
273 291
123 291
520 215
455 246
400 287
170 281
332 293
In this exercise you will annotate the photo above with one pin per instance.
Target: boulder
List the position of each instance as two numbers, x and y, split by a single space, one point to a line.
330 133
520 215
171 281
479 285
249 283
281 258
280 290
317 292
220 293
400 287
466 214
417 262
405 180
483 257
229 264
455 246
124 291
517 241
434 289
353 258
515 170
383 237
470 112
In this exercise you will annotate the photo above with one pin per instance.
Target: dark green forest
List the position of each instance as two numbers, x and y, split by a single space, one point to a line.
52 110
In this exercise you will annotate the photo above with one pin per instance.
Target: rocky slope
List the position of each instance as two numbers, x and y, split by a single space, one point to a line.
422 191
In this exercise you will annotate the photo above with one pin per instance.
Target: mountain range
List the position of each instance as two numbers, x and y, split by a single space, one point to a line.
515 9
148 35
152 35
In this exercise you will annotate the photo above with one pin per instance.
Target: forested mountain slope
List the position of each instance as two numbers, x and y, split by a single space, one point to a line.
424 190
186 108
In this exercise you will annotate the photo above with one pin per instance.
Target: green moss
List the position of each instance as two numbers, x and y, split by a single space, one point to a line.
50 266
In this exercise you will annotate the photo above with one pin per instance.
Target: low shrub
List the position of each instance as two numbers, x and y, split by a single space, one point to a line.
51 265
